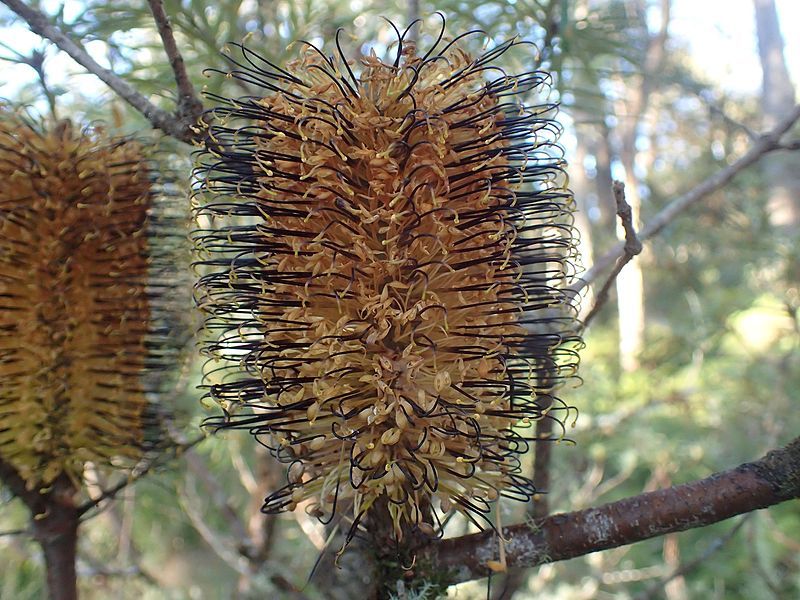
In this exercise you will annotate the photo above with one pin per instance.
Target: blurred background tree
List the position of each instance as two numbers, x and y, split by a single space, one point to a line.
697 371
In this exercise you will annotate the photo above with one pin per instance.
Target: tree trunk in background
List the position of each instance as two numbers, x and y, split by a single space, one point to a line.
601 149
261 528
413 15
580 186
777 98
630 283
630 288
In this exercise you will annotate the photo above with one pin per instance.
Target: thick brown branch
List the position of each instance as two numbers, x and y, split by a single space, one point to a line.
751 486
57 531
178 126
189 104
765 144
54 524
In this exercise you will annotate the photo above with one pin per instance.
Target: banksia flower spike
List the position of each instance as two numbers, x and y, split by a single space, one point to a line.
83 299
384 275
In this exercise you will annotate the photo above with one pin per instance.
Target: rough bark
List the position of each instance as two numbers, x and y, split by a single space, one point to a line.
748 487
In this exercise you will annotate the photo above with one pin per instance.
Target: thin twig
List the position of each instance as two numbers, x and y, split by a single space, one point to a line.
13 532
314 533
222 546
36 62
631 248
237 550
218 496
246 476
88 568
765 144
716 110
143 469
171 124
189 103
714 547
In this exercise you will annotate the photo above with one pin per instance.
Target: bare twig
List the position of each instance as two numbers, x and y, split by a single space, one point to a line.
13 532
178 126
631 248
222 546
36 62
314 532
790 145
140 471
237 551
246 476
219 498
765 144
89 567
714 547
189 104
716 110
748 487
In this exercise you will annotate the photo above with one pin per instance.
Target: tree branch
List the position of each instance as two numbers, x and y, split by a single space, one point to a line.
765 144
224 547
219 498
140 471
631 248
57 531
178 126
189 104
54 524
751 486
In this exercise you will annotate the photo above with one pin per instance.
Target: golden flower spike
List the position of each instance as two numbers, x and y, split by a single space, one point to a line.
384 275
83 333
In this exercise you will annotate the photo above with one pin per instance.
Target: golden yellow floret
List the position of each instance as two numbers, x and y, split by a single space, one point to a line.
386 272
